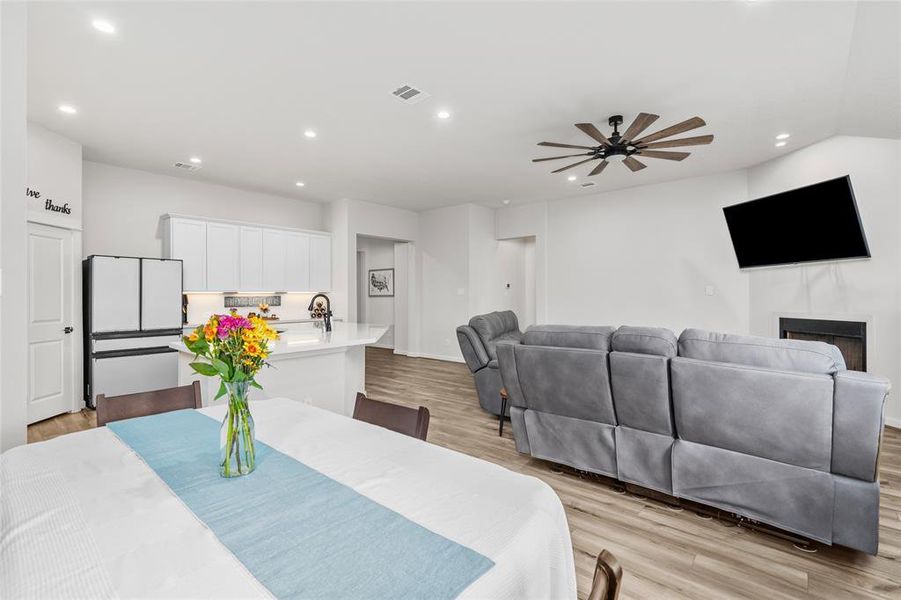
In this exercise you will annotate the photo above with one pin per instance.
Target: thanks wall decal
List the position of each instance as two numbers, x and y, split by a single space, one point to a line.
49 205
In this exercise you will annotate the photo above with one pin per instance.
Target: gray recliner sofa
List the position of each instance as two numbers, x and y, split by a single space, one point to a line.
478 342
777 431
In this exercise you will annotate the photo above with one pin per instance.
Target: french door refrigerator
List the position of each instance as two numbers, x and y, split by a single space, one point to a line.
132 312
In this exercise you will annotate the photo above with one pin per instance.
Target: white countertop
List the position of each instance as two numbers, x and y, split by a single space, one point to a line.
308 338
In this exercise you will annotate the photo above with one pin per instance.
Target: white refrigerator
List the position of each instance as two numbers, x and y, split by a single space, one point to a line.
132 312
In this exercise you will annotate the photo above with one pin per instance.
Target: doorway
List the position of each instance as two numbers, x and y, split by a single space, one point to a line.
377 304
51 321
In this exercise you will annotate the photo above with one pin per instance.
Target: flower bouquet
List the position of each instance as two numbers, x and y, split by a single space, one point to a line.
236 349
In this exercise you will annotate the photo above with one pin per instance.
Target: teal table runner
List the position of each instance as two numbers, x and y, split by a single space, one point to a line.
300 533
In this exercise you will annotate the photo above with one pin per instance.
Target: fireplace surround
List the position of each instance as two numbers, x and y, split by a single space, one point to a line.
849 336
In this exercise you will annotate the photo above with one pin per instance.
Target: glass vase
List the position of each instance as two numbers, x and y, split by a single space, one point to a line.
236 437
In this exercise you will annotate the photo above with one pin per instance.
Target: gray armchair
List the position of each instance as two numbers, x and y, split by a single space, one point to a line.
478 342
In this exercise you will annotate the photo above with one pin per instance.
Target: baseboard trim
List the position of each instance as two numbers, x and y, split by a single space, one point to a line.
456 359
893 422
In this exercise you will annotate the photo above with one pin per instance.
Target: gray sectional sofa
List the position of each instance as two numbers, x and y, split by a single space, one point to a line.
478 342
777 431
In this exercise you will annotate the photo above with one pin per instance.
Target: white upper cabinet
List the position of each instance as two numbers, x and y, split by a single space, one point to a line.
274 249
187 241
222 256
297 262
222 250
251 261
320 263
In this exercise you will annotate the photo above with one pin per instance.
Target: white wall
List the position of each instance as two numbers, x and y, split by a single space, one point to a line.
54 179
445 280
645 256
13 145
122 208
867 290
379 254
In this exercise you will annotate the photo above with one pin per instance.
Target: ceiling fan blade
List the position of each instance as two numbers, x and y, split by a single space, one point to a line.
556 145
559 157
594 132
581 162
633 164
641 122
664 155
687 125
597 170
690 141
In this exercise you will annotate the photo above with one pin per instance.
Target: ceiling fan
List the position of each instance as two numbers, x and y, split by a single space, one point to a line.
626 146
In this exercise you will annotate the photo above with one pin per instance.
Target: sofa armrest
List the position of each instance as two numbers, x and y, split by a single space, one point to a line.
857 424
506 361
472 348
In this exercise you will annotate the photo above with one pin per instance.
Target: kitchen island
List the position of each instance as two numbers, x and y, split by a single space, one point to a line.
309 365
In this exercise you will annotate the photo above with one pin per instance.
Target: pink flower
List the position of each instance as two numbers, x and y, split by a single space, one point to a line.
228 324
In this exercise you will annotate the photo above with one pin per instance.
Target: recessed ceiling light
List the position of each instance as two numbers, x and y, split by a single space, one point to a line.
571 178
783 136
300 184
780 144
196 160
310 133
443 114
506 202
104 26
68 109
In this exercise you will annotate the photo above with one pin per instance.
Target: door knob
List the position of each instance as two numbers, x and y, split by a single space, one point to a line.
68 330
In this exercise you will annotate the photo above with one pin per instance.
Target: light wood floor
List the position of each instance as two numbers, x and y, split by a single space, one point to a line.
665 554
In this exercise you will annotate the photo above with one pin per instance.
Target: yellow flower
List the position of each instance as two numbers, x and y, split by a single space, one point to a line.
252 348
193 337
248 362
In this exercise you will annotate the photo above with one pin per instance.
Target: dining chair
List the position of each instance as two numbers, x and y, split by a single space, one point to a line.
408 421
128 406
608 577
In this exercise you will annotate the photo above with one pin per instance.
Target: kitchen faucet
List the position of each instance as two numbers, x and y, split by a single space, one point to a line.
328 309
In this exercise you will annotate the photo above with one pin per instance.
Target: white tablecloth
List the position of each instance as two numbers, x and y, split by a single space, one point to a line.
82 515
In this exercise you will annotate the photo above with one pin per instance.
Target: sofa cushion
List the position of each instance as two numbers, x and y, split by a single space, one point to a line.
641 391
569 336
769 353
645 340
779 415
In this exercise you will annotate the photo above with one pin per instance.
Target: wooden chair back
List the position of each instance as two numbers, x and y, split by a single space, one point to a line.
128 406
408 421
608 578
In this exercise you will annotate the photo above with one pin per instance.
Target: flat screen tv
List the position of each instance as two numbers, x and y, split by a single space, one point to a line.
813 223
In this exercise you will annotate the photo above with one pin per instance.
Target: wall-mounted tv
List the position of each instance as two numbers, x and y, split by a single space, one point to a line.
813 223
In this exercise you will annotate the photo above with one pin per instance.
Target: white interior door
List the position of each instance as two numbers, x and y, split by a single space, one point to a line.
50 322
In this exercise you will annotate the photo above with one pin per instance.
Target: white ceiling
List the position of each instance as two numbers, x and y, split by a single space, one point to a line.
238 83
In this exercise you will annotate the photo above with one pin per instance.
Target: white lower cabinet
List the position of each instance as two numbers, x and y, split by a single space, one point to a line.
229 256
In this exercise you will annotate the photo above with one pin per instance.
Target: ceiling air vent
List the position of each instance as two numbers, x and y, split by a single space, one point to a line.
409 94
187 166
588 184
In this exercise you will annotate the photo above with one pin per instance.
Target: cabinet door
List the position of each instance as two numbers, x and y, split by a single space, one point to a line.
221 257
320 263
187 241
297 263
251 261
274 248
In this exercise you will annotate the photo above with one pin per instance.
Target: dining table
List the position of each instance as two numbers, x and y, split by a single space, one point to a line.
336 508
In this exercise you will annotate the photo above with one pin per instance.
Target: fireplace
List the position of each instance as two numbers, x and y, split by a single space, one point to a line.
849 336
